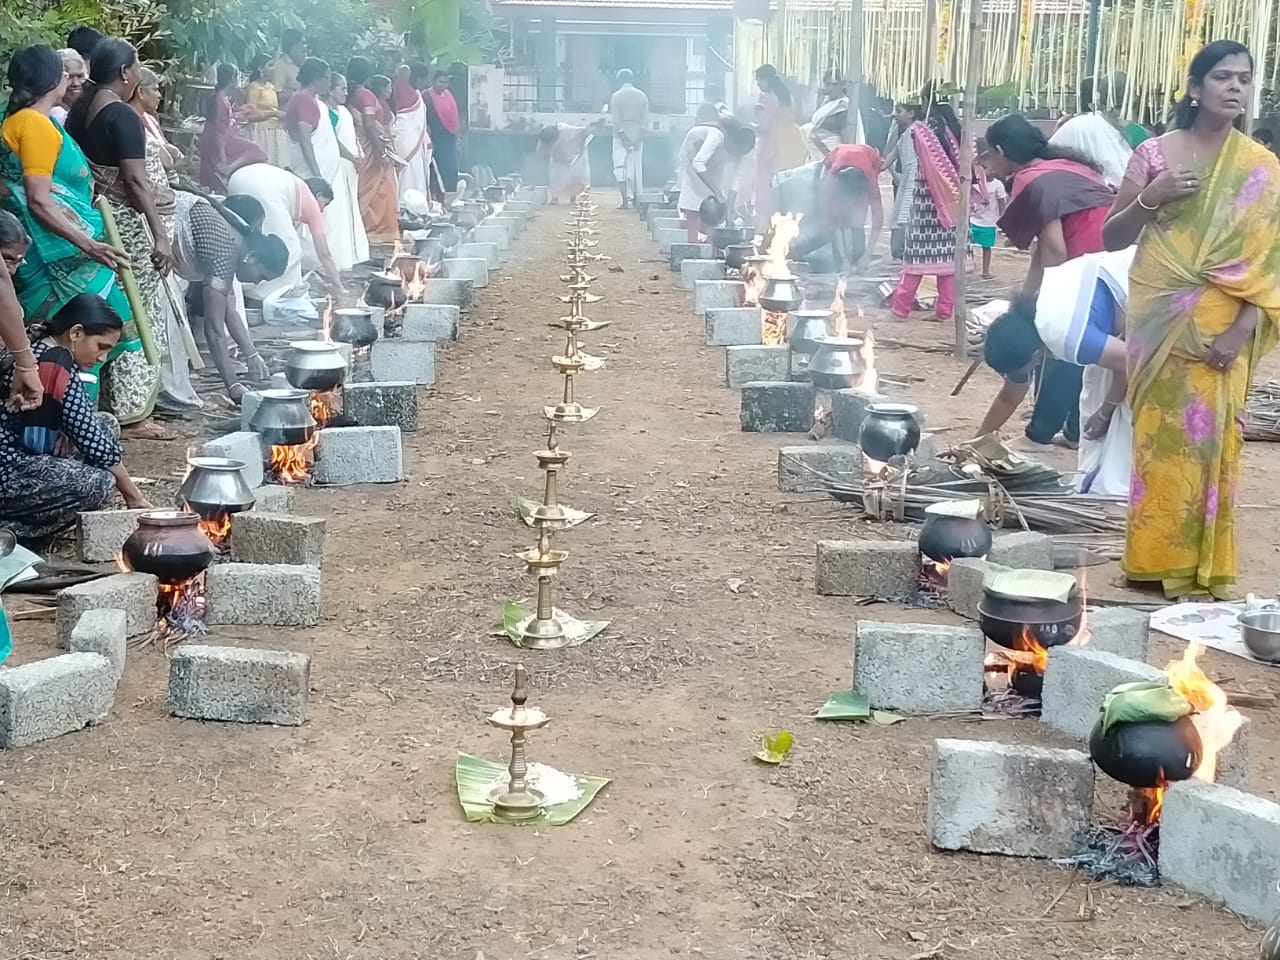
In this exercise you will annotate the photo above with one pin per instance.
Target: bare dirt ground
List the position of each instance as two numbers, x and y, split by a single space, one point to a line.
156 837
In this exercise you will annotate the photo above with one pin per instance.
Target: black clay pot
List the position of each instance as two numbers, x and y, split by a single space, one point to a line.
494 193
1003 617
429 251
889 430
168 544
385 290
354 325
1147 754
723 237
949 538
736 254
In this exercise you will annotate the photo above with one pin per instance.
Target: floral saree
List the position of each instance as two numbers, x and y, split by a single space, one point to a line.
1203 260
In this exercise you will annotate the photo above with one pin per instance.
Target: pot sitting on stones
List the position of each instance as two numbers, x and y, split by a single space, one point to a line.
430 251
944 538
781 294
385 290
736 255
283 418
509 184
1003 618
467 215
314 365
495 193
837 363
1148 753
444 231
722 237
889 430
215 487
169 545
354 325
805 328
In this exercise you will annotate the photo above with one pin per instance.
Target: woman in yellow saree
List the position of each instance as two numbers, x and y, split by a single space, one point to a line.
1202 203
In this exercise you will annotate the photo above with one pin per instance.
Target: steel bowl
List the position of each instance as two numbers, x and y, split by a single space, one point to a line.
1260 631
283 418
215 487
314 365
354 325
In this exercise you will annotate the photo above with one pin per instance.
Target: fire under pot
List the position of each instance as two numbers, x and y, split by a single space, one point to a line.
386 290
1030 625
169 545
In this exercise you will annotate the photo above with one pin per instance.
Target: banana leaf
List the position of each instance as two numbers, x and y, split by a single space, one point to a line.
475 777
1143 701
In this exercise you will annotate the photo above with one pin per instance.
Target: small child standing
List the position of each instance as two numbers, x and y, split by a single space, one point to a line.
984 214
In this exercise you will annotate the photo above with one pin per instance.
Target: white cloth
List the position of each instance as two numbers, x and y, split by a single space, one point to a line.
985 214
1093 136
1062 314
701 152
279 193
566 179
627 164
629 111
348 241
413 145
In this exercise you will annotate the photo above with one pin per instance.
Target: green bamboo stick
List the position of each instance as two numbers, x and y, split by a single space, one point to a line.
124 273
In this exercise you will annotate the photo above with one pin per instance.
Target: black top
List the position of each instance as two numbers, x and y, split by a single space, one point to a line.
114 134
65 414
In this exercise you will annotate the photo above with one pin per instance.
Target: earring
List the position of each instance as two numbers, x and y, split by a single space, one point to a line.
1195 101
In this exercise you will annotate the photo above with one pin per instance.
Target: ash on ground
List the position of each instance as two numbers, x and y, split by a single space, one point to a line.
1126 855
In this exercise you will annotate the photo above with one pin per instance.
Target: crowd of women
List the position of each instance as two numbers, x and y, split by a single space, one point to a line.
117 270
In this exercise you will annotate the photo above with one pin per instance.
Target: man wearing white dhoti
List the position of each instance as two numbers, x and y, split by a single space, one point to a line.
629 111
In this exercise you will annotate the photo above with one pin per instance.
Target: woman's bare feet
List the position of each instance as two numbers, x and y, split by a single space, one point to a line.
147 430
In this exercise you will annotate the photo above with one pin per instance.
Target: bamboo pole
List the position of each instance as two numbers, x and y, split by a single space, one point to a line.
141 322
960 314
853 73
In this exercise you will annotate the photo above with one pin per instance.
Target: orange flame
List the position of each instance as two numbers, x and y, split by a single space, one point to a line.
783 228
773 328
324 405
753 285
327 322
397 251
869 381
839 322
217 530
291 465
1215 719
416 287
1027 654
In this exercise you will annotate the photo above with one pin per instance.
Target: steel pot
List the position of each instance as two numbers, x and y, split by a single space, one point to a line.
1147 754
314 365
781 294
214 487
354 325
495 193
723 237
446 232
836 364
283 418
945 538
736 254
430 251
1004 617
805 328
169 545
1260 631
385 290
889 430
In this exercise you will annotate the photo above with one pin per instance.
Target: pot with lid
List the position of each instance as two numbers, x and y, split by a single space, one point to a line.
283 418
837 362
1044 605
315 365
214 487
386 290
781 294
889 430
954 529
736 254
169 545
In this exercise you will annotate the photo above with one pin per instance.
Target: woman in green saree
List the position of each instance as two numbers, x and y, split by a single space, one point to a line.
1201 203
50 189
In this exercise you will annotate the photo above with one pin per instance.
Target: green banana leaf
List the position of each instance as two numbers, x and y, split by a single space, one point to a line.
1143 701
475 776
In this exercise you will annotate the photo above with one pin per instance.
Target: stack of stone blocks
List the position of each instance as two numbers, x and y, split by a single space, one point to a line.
1216 839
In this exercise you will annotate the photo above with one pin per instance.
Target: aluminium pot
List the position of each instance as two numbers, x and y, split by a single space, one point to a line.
446 232
1148 753
889 430
214 487
781 294
314 365
805 328
836 364
354 325
430 251
945 538
386 290
169 545
283 418
736 254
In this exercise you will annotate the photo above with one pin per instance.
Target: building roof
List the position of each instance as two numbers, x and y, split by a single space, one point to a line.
870 6
692 5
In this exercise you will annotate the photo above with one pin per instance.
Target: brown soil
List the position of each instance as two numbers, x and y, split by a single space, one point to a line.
155 837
